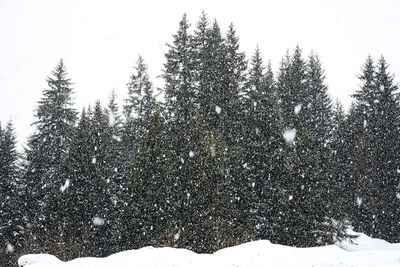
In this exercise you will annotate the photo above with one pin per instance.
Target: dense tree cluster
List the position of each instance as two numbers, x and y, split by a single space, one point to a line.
232 153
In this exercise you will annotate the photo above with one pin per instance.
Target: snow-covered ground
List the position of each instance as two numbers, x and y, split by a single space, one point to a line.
365 251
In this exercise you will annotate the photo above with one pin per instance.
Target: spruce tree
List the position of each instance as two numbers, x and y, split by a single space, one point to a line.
306 110
178 75
230 107
365 171
137 110
12 221
388 145
48 146
146 210
377 147
303 216
292 89
263 142
114 115
85 196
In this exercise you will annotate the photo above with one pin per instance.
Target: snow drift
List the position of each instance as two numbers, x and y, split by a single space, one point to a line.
364 251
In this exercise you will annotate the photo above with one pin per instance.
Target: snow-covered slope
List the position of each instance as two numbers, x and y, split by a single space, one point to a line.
365 251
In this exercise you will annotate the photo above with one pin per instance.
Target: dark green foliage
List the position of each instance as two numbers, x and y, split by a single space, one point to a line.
86 197
209 167
292 89
376 152
263 142
47 148
11 206
304 214
146 209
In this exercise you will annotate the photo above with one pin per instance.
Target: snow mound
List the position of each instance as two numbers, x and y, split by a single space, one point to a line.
38 260
366 243
365 251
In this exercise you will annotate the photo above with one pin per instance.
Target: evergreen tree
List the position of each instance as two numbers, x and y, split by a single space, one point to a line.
229 109
292 89
365 167
320 105
178 75
74 200
205 201
140 101
11 208
85 197
146 211
209 54
137 110
307 112
388 146
114 115
48 145
303 219
263 143
377 152
340 162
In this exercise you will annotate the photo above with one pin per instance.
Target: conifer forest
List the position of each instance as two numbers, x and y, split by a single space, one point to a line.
227 151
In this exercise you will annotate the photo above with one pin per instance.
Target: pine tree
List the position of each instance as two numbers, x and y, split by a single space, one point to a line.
146 211
292 89
178 75
320 105
85 195
209 53
379 110
388 152
114 115
307 111
11 208
140 101
263 142
365 171
230 105
48 145
74 202
340 162
303 219
206 204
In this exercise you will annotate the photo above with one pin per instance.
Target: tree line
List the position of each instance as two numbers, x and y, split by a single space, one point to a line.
232 153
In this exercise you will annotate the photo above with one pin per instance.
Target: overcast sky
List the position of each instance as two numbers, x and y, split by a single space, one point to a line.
100 41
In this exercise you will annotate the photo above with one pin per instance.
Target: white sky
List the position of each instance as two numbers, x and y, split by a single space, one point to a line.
100 41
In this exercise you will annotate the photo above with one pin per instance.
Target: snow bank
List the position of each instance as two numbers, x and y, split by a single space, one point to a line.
366 243
365 251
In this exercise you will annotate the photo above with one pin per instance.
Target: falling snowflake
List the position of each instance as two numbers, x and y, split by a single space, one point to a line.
176 236
398 195
97 221
65 186
359 201
290 197
297 109
191 154
10 248
218 109
289 135
212 150
94 160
